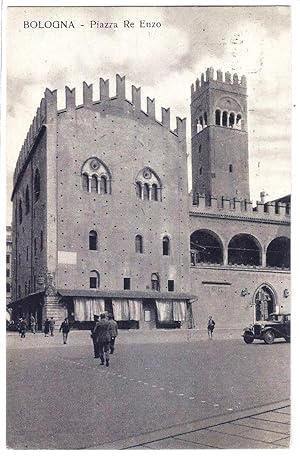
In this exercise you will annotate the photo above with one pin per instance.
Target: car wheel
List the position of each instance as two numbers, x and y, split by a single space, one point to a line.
269 337
248 338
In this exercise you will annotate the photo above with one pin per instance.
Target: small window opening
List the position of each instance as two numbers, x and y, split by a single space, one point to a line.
93 240
166 246
231 120
224 118
230 168
126 283
170 285
155 282
94 279
218 117
139 244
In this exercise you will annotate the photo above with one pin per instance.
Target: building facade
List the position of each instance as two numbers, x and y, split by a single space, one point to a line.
8 263
102 217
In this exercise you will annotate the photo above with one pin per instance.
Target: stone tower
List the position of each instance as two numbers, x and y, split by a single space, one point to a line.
219 136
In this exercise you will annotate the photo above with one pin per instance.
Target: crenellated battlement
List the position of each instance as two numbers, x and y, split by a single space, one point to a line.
227 81
222 207
48 109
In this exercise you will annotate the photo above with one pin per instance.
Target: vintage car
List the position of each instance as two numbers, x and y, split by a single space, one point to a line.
277 326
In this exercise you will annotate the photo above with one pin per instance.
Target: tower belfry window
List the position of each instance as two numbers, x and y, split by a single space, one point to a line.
231 120
218 117
224 118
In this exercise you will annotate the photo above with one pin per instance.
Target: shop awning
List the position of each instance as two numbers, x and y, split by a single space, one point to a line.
30 298
127 294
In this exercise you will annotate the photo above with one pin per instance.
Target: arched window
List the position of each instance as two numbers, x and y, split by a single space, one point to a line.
8 287
148 185
154 192
92 240
96 176
138 190
37 185
224 118
20 212
206 248
138 244
155 282
94 279
218 117
27 203
205 119
243 249
94 183
278 253
231 120
85 182
103 185
166 246
146 191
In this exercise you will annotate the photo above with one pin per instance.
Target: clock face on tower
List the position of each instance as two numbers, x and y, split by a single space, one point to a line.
94 164
147 174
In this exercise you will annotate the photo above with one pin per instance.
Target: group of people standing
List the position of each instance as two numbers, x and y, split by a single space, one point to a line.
104 334
22 326
49 327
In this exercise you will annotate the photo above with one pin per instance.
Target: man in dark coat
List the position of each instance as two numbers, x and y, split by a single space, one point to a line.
101 332
65 328
210 326
113 332
96 346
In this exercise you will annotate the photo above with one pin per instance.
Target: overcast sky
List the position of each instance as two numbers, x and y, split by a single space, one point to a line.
254 41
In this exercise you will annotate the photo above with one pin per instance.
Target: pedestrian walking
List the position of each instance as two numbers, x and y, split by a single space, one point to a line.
65 328
23 326
95 343
19 325
32 324
210 326
52 325
113 332
47 327
101 332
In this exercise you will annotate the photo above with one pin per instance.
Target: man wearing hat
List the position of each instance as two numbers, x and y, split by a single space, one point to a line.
113 332
101 333
96 346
